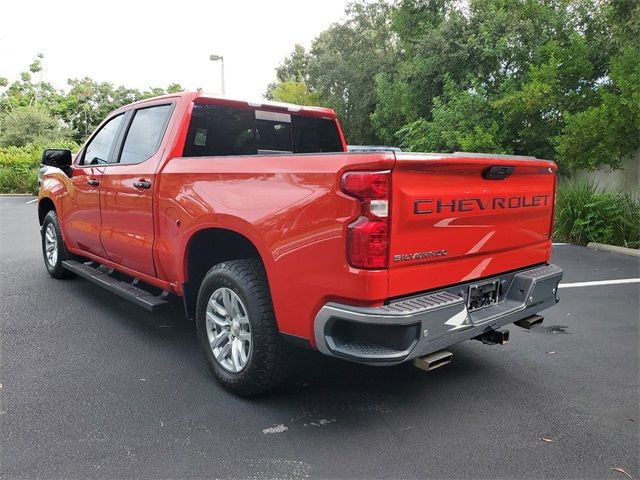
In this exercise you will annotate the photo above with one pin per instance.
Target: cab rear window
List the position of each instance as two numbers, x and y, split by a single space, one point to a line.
220 130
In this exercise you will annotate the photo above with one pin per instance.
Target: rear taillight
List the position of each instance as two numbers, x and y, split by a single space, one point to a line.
368 235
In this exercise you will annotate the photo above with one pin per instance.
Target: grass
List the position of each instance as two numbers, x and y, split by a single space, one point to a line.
586 213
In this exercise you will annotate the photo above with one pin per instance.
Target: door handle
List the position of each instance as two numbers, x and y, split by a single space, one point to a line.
92 182
142 184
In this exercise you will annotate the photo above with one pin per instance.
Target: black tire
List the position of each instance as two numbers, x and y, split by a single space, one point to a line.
55 269
268 361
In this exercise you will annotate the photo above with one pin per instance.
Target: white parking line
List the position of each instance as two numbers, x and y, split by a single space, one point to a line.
31 201
600 282
559 244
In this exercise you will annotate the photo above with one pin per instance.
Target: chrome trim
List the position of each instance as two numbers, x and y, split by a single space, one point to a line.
443 314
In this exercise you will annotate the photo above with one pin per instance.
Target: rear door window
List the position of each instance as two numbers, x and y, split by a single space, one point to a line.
145 133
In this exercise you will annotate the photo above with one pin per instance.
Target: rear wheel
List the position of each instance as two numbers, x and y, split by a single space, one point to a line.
237 328
54 250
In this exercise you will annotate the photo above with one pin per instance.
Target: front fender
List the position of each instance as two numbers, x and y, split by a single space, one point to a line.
54 189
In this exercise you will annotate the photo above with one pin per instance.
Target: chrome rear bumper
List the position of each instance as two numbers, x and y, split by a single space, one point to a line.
414 326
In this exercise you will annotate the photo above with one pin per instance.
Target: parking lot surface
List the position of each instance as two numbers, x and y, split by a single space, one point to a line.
94 387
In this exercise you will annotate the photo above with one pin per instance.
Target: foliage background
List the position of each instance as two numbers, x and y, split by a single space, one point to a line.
557 79
34 115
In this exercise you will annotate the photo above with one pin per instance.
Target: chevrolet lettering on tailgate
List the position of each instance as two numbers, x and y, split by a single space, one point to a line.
428 206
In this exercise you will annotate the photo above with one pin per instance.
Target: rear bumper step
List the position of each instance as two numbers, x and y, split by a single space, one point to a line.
102 276
416 326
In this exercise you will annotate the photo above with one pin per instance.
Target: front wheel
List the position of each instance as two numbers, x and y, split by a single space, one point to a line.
237 328
54 250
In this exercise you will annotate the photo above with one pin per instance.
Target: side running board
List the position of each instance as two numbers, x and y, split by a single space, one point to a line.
102 276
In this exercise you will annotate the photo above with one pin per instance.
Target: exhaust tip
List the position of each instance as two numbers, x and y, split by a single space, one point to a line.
433 360
529 322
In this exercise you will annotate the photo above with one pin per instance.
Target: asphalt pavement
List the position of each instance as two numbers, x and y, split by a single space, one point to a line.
94 387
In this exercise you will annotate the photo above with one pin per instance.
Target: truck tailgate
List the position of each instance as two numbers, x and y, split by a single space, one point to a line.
460 217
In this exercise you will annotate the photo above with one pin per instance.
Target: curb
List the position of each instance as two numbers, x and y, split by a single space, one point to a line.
633 252
18 195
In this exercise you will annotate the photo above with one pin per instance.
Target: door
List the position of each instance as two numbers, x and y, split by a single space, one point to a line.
127 190
82 216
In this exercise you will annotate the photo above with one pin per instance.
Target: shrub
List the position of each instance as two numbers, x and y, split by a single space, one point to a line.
18 179
24 125
586 213
19 156
19 166
29 154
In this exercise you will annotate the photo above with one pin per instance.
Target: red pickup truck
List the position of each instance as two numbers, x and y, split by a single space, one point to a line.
272 234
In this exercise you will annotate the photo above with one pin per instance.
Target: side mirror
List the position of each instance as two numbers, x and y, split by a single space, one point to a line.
56 157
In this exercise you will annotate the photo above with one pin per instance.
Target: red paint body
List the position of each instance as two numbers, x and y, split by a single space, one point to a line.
292 209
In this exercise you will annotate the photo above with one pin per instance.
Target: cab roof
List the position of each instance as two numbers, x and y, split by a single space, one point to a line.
212 99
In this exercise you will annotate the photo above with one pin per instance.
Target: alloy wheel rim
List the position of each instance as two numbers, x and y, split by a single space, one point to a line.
228 330
51 245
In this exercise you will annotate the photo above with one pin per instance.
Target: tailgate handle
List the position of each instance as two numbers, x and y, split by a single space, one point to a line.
497 172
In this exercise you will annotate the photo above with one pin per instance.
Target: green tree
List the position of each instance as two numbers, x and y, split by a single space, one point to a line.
291 91
461 120
345 60
26 92
34 111
31 125
340 68
544 75
294 68
608 132
533 109
88 102
431 36
175 88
